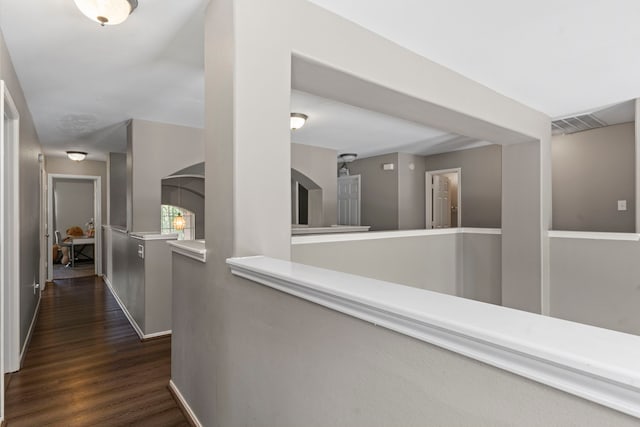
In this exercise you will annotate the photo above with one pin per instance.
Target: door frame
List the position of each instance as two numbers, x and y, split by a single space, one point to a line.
97 219
428 179
10 242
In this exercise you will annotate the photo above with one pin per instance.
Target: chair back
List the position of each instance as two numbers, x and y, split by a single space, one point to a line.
58 237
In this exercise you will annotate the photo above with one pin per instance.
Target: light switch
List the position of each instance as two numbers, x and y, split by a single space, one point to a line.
622 205
388 166
141 251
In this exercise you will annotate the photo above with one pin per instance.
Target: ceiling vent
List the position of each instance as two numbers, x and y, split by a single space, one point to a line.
576 124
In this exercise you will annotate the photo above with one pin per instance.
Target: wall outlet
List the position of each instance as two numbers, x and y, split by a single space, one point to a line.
622 205
141 251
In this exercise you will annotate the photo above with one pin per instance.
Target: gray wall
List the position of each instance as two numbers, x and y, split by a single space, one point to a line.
465 265
268 358
143 285
156 151
596 282
72 203
592 170
481 183
319 164
411 192
29 195
379 191
117 189
186 192
63 165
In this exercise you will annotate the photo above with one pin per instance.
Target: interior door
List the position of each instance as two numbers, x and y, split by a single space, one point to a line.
441 202
349 200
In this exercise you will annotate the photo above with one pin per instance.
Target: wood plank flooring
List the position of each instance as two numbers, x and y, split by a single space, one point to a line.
86 366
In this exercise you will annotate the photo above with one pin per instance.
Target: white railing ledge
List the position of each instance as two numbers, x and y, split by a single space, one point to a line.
593 235
194 249
150 235
596 364
375 235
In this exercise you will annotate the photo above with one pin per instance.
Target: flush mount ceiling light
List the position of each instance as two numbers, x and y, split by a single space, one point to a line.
347 157
298 120
77 156
107 12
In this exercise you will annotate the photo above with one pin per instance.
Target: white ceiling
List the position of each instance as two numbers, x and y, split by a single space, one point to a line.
560 57
82 81
350 129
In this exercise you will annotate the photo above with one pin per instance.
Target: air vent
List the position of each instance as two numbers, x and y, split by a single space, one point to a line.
576 124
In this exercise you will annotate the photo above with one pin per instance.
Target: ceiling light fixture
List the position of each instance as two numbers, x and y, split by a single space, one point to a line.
107 12
179 223
298 120
347 157
77 156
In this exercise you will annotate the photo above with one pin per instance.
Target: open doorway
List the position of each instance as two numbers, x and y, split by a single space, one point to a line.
75 224
443 198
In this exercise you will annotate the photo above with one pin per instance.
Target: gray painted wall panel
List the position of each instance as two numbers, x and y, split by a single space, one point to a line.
118 189
29 171
353 373
157 286
596 282
63 165
411 192
319 164
422 262
481 183
592 170
482 267
73 203
521 227
379 191
158 150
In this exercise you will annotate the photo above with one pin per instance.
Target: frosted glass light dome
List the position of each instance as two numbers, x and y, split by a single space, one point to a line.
107 12
298 120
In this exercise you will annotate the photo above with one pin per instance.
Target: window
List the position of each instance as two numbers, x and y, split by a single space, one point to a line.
169 213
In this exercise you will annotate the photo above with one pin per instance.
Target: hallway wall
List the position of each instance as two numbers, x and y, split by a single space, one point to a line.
29 196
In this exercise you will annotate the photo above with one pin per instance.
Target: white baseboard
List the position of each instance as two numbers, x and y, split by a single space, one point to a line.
130 318
185 406
27 340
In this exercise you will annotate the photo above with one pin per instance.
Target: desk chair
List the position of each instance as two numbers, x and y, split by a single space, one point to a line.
59 242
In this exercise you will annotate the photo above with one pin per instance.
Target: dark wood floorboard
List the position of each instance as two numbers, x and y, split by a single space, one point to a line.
86 366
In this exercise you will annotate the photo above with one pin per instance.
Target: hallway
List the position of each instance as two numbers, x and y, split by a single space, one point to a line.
86 366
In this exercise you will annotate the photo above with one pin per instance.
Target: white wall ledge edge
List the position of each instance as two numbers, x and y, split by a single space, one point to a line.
593 235
194 249
596 364
153 236
374 235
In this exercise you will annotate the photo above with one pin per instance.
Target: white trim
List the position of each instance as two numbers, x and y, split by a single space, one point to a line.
428 185
124 308
190 248
128 315
97 220
153 236
27 340
119 229
555 352
297 231
10 216
375 235
632 237
190 414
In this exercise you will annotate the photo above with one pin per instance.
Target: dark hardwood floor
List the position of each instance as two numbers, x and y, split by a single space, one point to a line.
86 366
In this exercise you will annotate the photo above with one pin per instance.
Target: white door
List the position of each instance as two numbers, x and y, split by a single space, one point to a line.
441 202
349 200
